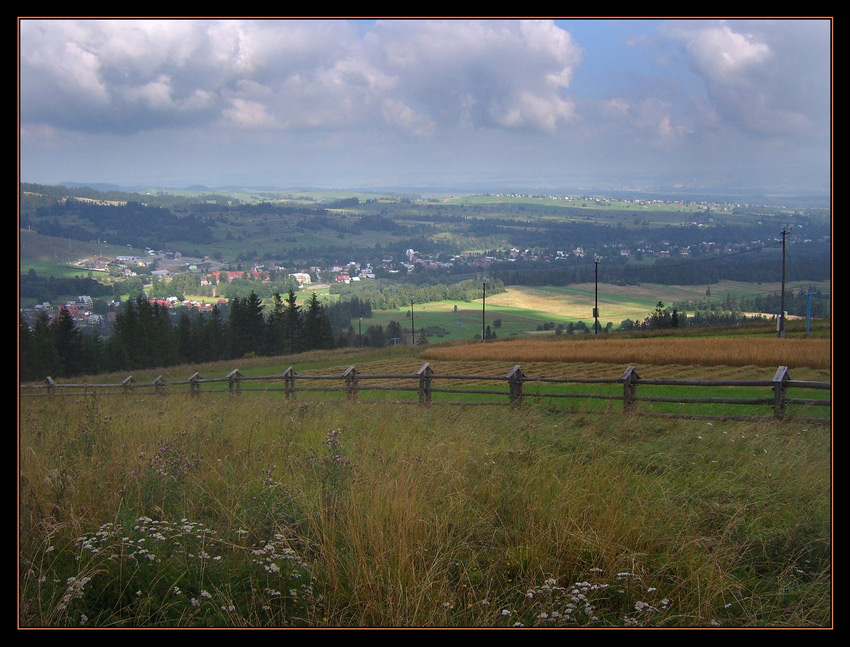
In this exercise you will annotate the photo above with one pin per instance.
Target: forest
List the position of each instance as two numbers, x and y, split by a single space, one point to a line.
145 336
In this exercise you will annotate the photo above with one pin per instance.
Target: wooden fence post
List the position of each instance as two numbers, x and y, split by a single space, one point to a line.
629 379
195 385
234 383
425 374
159 385
780 392
351 382
129 383
51 386
289 382
515 378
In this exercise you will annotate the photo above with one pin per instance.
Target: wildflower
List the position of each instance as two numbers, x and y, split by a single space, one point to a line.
505 613
83 619
205 594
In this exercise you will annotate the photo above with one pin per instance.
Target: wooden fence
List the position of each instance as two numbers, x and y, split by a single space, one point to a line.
353 383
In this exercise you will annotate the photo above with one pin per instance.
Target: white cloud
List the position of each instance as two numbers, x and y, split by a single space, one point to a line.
403 116
481 94
249 114
766 78
724 55
481 73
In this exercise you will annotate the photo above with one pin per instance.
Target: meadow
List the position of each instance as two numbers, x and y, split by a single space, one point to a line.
255 511
522 310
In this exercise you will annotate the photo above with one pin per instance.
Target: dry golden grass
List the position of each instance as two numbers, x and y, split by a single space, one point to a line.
712 351
616 302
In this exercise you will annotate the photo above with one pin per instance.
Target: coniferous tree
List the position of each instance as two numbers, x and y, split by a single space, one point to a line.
254 324
235 324
215 336
375 336
317 326
125 333
69 344
46 360
26 360
185 343
275 326
293 326
394 331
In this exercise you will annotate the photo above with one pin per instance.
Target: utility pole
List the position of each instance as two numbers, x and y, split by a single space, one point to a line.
781 322
809 296
483 308
360 335
412 327
596 302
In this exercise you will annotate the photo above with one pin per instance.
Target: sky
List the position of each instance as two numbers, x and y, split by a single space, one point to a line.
428 103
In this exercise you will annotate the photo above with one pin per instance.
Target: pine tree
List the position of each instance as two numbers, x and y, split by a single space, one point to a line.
254 324
317 326
275 326
69 344
235 342
215 334
293 326
125 334
185 343
46 360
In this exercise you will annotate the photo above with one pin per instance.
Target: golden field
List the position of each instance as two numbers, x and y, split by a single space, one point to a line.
711 351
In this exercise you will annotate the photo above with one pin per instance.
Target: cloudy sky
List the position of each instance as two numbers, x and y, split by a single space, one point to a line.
427 103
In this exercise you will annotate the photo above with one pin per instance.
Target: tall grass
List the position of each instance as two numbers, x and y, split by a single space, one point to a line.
251 511
709 351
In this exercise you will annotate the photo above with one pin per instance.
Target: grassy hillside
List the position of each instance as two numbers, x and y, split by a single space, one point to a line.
254 511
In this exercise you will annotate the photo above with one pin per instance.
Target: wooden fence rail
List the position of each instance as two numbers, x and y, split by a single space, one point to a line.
351 382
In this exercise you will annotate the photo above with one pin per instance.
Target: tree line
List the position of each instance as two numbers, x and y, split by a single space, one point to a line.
384 294
145 336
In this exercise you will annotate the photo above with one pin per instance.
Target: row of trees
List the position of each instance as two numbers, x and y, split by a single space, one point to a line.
667 317
391 295
146 336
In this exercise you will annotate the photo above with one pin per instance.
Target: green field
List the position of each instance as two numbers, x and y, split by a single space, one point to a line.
522 309
48 255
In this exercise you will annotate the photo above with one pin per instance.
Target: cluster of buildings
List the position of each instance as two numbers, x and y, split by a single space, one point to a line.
80 310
